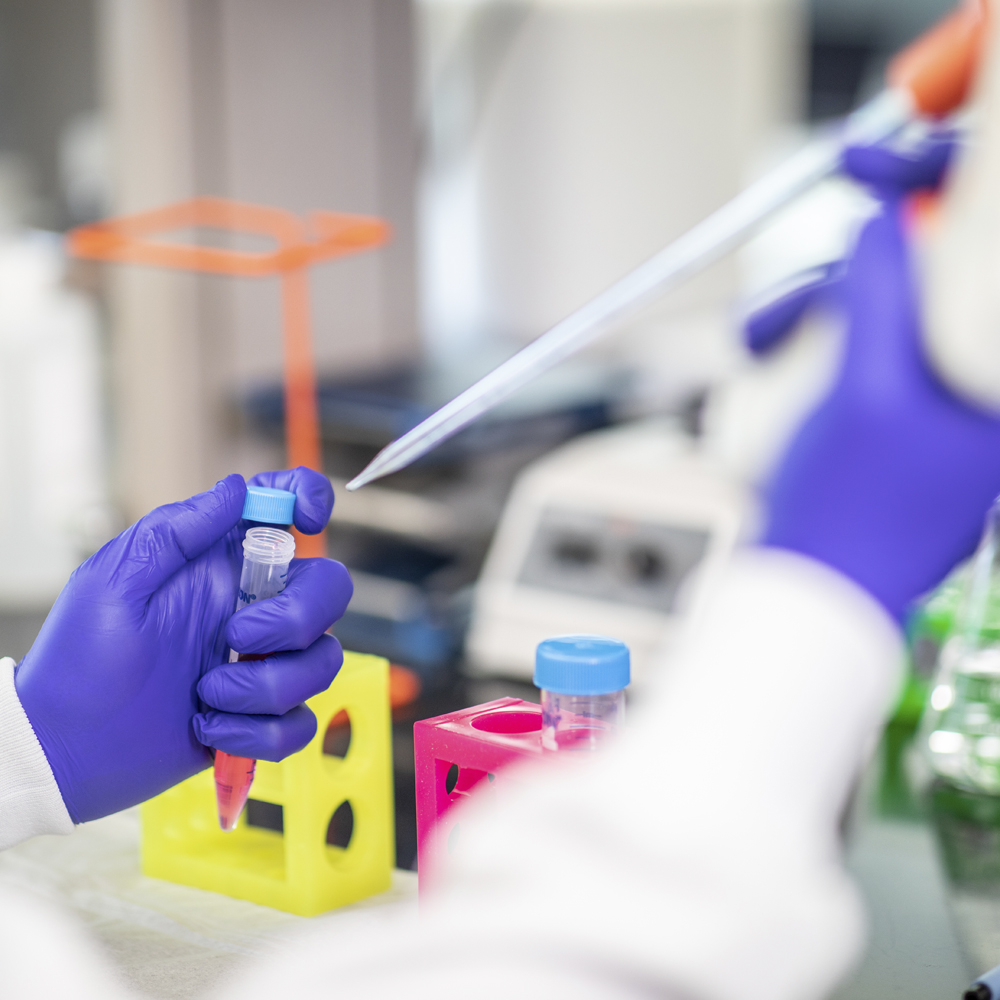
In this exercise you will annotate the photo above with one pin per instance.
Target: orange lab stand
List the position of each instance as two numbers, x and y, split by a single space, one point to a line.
300 242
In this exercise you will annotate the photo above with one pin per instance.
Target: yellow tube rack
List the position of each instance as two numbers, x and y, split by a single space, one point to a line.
301 869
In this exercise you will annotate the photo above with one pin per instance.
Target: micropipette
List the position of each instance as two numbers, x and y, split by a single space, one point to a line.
930 77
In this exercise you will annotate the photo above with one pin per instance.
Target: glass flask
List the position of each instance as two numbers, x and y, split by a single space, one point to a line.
960 728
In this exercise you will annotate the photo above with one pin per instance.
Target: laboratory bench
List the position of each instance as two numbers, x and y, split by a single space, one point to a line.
927 863
929 880
166 941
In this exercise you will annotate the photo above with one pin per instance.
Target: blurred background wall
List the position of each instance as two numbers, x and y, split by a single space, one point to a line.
303 105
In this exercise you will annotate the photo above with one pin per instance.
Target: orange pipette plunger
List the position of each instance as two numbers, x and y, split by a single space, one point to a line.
937 70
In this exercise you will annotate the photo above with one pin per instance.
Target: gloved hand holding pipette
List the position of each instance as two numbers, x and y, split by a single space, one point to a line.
889 479
125 687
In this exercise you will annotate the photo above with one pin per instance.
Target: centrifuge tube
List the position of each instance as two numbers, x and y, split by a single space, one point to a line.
266 555
582 680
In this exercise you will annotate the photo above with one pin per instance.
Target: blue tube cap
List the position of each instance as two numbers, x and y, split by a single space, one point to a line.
269 506
582 664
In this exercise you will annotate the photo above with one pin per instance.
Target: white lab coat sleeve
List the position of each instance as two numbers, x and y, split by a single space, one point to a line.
30 801
699 857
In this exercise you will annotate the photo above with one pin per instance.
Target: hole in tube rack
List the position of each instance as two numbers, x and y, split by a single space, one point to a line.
337 738
468 778
341 827
451 779
508 723
266 815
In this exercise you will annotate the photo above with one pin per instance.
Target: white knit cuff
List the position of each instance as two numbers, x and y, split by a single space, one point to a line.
30 801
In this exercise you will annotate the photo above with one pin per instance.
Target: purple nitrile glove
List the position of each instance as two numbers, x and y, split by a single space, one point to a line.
889 479
112 684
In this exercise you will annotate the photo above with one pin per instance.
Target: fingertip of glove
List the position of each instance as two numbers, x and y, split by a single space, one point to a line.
894 170
314 501
294 732
230 493
205 688
333 654
198 723
325 573
313 495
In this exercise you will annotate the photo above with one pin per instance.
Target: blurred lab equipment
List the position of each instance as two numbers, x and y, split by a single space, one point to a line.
582 679
552 132
298 244
54 508
112 685
927 628
851 43
616 532
455 754
931 77
986 987
317 832
966 824
961 725
266 555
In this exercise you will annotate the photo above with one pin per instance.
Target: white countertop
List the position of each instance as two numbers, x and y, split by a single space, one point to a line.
168 941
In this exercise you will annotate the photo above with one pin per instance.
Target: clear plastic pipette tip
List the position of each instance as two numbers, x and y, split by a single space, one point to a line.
362 479
717 233
381 465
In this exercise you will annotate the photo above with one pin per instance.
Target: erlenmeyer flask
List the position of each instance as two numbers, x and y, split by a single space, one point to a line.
960 728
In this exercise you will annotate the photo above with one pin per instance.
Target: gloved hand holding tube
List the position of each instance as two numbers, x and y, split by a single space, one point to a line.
126 686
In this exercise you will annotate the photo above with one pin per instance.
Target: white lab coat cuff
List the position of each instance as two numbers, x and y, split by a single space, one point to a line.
30 801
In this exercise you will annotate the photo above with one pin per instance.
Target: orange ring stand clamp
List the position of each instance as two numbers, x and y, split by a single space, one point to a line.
132 239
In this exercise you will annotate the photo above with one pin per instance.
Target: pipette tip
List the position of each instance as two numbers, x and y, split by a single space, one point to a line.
384 463
374 470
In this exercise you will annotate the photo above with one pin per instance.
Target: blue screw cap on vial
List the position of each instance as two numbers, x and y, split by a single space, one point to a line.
582 665
269 506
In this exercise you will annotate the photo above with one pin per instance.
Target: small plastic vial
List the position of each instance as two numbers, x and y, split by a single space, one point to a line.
582 679
267 553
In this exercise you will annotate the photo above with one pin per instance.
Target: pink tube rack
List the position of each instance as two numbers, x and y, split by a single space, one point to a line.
457 752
